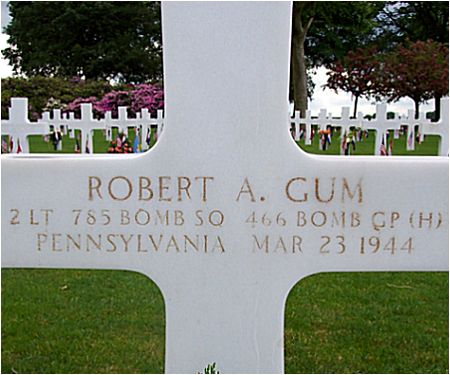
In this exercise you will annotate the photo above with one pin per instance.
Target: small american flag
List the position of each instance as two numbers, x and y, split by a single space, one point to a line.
383 148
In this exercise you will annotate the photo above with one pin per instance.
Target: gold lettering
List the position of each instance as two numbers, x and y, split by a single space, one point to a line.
429 219
198 215
205 243
129 186
172 243
110 238
55 240
346 188
125 241
163 188
184 188
145 187
394 217
288 193
219 245
218 221
296 244
15 218
355 222
95 187
335 220
301 220
41 238
187 241
124 217
204 179
280 245
140 249
317 189
317 223
32 222
161 218
46 212
378 226
178 217
246 188
90 239
146 219
261 246
155 245
76 245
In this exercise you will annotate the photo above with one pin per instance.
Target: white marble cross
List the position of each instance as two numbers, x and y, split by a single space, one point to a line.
345 123
440 128
19 127
381 124
226 214
307 121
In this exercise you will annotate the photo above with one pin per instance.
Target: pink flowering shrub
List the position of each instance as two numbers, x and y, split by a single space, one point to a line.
139 97
113 100
147 96
75 106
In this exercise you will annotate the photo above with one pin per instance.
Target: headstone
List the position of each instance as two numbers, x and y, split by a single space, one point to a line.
381 125
19 127
345 123
410 123
226 214
440 128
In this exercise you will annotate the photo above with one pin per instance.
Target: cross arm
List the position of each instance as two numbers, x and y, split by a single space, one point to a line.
363 214
64 212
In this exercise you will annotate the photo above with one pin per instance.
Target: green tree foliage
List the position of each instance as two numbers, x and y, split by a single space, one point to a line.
413 20
323 32
356 73
94 39
416 70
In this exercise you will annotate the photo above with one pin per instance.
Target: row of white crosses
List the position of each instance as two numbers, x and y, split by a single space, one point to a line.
19 127
143 122
381 124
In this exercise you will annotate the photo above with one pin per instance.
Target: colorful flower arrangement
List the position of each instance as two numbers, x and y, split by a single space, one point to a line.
120 146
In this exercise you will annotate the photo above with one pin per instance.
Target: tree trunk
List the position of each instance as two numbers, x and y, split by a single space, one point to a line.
416 107
355 108
437 108
298 65
299 77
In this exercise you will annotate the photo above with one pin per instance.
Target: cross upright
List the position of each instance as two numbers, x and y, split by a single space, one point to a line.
381 125
345 123
439 128
225 214
19 127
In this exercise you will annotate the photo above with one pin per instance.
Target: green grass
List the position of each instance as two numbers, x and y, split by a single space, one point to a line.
428 148
368 323
38 146
66 321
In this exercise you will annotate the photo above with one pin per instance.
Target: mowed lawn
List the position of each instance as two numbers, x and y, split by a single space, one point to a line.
72 321
427 148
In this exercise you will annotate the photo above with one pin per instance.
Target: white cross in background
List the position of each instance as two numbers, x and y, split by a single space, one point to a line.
19 127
